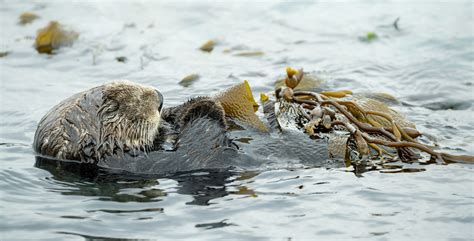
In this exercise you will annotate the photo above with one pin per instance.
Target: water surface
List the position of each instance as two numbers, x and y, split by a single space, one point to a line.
427 64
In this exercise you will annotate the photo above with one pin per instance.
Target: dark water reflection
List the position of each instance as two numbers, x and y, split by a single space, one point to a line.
426 64
202 185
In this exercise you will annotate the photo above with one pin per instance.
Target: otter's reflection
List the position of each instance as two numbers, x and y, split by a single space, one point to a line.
204 186
88 180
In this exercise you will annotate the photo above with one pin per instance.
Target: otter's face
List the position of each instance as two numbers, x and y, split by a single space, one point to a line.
130 114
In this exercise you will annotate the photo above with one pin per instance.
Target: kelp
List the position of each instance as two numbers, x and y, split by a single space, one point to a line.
250 54
369 37
374 106
121 59
359 129
238 103
188 80
308 82
208 46
53 37
27 17
4 54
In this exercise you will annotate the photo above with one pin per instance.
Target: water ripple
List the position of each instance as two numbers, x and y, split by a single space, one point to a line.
426 64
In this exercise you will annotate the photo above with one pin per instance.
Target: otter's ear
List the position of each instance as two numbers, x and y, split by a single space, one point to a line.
108 107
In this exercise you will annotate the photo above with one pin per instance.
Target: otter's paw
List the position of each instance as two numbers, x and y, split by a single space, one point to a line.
204 107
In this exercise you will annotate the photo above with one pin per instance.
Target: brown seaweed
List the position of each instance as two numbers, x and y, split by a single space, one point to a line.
208 46
372 126
53 37
188 80
27 17
238 103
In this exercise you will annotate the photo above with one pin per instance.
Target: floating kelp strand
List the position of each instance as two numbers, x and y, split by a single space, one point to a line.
363 122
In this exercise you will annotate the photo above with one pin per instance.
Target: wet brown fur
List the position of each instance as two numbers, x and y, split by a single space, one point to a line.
199 107
111 119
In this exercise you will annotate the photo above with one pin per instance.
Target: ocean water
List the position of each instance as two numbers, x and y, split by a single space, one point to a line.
427 64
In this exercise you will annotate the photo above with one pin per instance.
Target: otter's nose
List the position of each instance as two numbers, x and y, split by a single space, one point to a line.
160 99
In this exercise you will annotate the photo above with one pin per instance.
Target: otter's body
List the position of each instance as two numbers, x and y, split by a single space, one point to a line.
175 119
120 127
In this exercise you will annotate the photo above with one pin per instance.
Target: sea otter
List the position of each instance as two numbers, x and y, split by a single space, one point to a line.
122 127
107 120
117 124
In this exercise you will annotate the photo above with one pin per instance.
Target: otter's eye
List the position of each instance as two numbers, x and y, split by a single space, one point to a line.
160 99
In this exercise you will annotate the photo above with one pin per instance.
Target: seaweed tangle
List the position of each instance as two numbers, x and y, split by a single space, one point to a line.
371 129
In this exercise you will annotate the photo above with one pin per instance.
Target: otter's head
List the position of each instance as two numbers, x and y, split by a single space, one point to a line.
130 115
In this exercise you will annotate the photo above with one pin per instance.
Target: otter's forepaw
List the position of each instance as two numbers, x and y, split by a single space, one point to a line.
204 107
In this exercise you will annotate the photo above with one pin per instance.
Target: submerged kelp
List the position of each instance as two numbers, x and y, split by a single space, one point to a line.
4 54
370 36
27 17
208 46
53 37
359 129
188 80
